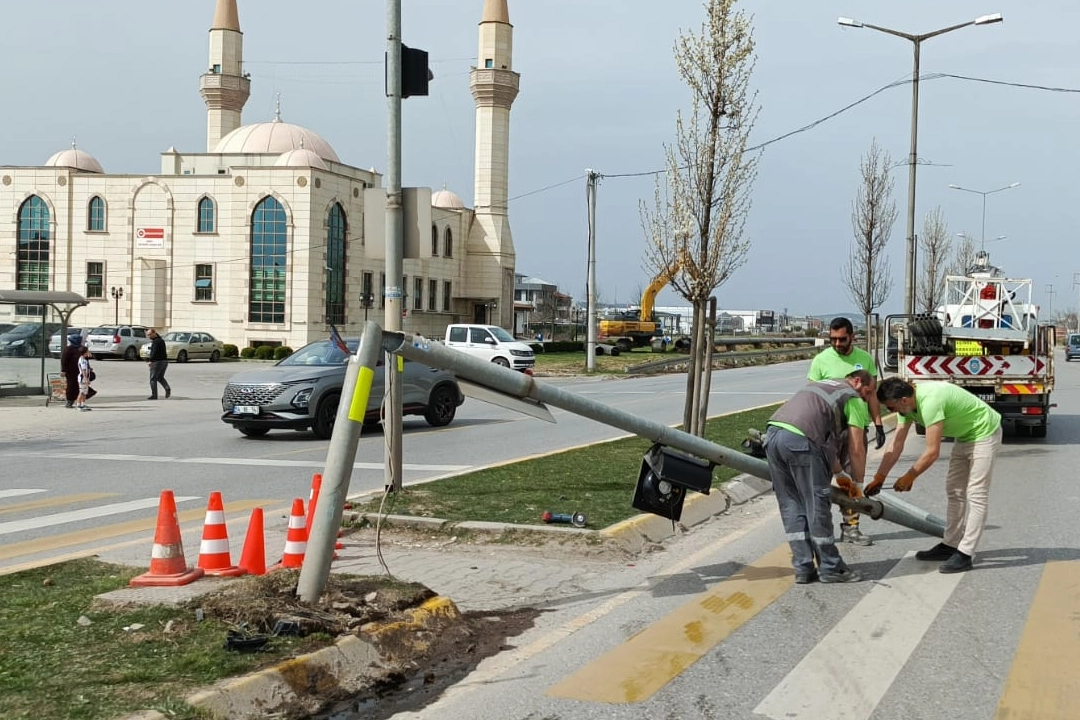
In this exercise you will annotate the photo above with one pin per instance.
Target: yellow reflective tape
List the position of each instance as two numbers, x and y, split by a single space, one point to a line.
1021 389
358 407
400 363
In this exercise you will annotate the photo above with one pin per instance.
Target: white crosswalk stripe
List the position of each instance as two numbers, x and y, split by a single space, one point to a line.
97 511
19 492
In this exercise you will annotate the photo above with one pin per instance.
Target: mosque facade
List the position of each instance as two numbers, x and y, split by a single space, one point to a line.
268 236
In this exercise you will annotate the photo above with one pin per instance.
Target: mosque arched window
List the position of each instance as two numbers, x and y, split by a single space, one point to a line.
335 260
434 241
32 256
269 251
206 216
448 243
95 214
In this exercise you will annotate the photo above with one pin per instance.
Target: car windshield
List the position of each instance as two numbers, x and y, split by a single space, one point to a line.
1074 339
25 330
501 334
322 352
177 337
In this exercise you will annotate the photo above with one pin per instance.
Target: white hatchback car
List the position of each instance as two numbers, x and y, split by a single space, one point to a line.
117 341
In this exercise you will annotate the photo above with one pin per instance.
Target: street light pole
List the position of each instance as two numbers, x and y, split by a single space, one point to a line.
117 293
916 40
984 194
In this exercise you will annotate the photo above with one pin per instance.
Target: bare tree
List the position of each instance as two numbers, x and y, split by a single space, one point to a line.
935 254
873 213
696 224
964 257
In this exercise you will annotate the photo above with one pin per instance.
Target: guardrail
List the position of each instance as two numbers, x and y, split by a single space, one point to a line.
718 358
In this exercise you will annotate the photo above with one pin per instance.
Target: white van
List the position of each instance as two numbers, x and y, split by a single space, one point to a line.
491 343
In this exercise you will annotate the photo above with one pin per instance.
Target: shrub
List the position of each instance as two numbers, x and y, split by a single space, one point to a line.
230 351
264 352
248 352
282 351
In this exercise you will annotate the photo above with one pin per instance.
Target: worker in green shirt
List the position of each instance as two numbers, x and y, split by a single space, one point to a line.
838 361
945 410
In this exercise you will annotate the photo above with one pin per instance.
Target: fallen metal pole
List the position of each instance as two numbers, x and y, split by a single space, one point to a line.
520 385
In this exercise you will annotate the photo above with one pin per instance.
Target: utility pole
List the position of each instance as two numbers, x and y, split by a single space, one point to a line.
590 332
394 242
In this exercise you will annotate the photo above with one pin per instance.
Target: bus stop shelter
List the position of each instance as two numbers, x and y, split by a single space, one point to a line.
29 376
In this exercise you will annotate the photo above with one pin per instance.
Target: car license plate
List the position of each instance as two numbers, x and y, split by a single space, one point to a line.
245 409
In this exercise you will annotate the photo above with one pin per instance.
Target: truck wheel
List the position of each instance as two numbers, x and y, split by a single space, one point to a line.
323 423
501 361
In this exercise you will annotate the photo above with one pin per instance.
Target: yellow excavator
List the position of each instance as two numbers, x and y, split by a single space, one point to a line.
636 328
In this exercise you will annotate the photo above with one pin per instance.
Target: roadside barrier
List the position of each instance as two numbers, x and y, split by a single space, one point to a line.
214 555
168 567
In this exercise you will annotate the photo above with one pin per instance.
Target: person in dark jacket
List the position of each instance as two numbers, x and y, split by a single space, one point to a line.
159 363
69 366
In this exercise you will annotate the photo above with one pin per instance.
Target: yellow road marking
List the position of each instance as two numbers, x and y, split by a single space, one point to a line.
1043 682
646 662
54 501
90 535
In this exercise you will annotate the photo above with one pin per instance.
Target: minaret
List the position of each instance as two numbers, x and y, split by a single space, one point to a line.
225 87
494 86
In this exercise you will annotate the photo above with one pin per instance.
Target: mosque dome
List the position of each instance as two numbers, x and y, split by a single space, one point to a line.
301 157
274 137
75 159
446 199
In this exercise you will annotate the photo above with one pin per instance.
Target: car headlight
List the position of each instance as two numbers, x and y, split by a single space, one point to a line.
521 353
301 399
15 343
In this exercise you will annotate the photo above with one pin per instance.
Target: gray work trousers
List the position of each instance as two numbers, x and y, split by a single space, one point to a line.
801 480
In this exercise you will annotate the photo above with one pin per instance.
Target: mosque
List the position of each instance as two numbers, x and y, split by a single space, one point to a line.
267 237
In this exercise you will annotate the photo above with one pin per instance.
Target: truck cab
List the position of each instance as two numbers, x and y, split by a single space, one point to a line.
491 343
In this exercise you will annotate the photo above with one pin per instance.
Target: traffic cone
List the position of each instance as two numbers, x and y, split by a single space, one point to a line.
214 555
295 538
167 564
253 556
316 487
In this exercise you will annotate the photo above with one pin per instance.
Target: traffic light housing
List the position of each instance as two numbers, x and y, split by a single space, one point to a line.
665 477
415 73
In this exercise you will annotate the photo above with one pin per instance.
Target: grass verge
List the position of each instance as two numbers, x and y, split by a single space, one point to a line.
597 480
63 658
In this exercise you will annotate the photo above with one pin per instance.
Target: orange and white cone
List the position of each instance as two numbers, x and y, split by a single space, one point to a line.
313 500
168 567
253 555
295 538
214 555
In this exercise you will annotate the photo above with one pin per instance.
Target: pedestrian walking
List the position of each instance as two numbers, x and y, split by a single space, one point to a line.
805 441
834 363
945 410
69 366
84 379
159 363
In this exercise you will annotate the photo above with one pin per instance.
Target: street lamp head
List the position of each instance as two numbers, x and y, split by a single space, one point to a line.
1015 184
989 19
955 187
848 22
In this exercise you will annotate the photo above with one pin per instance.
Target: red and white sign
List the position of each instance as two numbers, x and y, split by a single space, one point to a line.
930 366
150 233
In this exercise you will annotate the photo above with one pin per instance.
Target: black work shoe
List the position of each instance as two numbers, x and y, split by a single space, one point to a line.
152 397
939 552
959 562
845 576
168 393
806 578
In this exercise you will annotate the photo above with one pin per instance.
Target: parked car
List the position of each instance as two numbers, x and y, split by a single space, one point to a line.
117 341
302 391
182 346
4 327
26 340
57 342
1072 347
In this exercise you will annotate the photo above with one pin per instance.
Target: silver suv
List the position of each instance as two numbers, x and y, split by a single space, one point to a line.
302 391
118 341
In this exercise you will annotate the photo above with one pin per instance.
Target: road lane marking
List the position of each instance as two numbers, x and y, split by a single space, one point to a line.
89 513
18 492
1043 682
93 535
276 462
55 501
850 670
649 660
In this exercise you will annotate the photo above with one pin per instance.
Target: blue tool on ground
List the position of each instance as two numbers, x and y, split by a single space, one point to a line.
577 519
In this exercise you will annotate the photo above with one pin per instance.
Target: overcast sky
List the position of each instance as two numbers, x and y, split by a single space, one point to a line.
599 90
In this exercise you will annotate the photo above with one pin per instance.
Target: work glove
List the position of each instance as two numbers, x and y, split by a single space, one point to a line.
845 483
879 436
874 487
905 481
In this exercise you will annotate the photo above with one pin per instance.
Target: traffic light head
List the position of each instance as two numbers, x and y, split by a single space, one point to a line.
665 477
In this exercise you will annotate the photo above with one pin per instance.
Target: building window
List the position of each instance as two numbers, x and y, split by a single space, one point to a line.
204 282
434 241
382 293
32 260
418 294
367 299
432 292
335 261
95 215
269 249
206 215
448 243
489 63
95 280
446 296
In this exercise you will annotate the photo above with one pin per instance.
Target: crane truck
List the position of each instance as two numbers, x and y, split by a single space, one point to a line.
986 338
636 328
